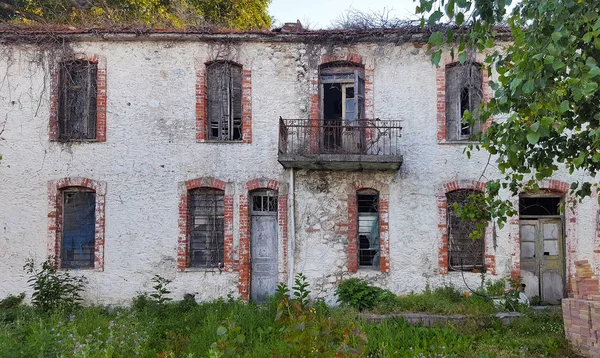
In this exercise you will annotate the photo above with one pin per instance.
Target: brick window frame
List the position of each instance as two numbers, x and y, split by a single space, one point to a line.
202 102
561 188
384 239
184 229
442 207
440 81
101 94
55 204
244 229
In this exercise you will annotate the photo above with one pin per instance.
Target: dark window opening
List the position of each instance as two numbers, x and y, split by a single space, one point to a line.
78 228
464 92
539 206
224 92
206 215
368 228
342 106
77 100
464 253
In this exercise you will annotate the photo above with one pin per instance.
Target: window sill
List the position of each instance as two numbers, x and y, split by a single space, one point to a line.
204 269
214 141
458 142
75 141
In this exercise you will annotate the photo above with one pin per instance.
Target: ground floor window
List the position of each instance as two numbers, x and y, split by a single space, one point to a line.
368 228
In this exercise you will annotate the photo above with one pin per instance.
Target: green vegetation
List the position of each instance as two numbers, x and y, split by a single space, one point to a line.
289 325
237 14
546 96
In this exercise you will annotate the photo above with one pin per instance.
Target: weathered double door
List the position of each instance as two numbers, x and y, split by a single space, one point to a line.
542 258
263 242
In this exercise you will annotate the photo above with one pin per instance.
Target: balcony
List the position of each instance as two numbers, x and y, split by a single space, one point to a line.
339 145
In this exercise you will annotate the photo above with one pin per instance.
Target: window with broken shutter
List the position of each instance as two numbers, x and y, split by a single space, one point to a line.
206 221
224 92
77 100
464 253
78 228
464 92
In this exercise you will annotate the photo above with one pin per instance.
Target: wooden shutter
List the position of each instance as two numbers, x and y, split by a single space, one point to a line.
453 88
224 82
476 93
359 93
77 100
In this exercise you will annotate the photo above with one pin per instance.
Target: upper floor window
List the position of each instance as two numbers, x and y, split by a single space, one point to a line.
206 212
224 94
464 92
464 253
342 91
78 228
368 228
77 100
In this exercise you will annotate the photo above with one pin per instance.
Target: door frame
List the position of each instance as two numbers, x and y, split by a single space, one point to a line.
528 219
272 193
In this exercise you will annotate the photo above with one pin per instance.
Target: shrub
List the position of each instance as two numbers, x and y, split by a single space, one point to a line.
357 293
449 293
54 289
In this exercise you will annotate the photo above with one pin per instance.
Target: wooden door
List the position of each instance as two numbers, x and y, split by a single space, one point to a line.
263 243
542 259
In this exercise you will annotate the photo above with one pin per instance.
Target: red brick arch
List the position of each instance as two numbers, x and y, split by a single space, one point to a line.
183 239
442 206
244 228
55 188
384 239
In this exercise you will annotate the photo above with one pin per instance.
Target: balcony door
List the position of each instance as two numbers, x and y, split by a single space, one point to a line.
342 99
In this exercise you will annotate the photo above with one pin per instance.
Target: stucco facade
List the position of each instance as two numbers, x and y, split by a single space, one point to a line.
153 152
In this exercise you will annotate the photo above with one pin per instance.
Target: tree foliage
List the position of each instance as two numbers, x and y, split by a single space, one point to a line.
238 14
546 102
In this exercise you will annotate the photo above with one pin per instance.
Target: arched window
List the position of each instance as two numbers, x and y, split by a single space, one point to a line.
224 94
464 92
464 253
77 242
206 213
367 201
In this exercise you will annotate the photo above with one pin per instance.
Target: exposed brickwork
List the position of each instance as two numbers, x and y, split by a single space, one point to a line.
244 229
582 314
440 82
55 200
202 103
442 206
597 236
100 95
560 188
229 263
352 225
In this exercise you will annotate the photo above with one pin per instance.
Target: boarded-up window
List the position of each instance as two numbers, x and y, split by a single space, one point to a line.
77 100
224 88
368 228
464 92
464 253
78 228
206 219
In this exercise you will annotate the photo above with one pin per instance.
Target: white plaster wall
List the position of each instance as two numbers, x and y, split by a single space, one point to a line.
151 148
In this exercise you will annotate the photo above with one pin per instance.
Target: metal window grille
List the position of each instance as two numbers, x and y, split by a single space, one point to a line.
206 218
464 92
264 201
464 253
224 89
78 228
368 228
77 100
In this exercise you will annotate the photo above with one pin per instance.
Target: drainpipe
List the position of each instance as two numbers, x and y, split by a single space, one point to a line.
292 232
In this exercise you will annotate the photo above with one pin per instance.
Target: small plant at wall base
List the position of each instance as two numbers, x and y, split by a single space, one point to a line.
53 289
357 293
160 289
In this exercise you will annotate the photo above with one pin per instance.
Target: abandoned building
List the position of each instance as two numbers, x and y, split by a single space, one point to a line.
229 162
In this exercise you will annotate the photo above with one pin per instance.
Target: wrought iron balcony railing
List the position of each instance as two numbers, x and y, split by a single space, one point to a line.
339 144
